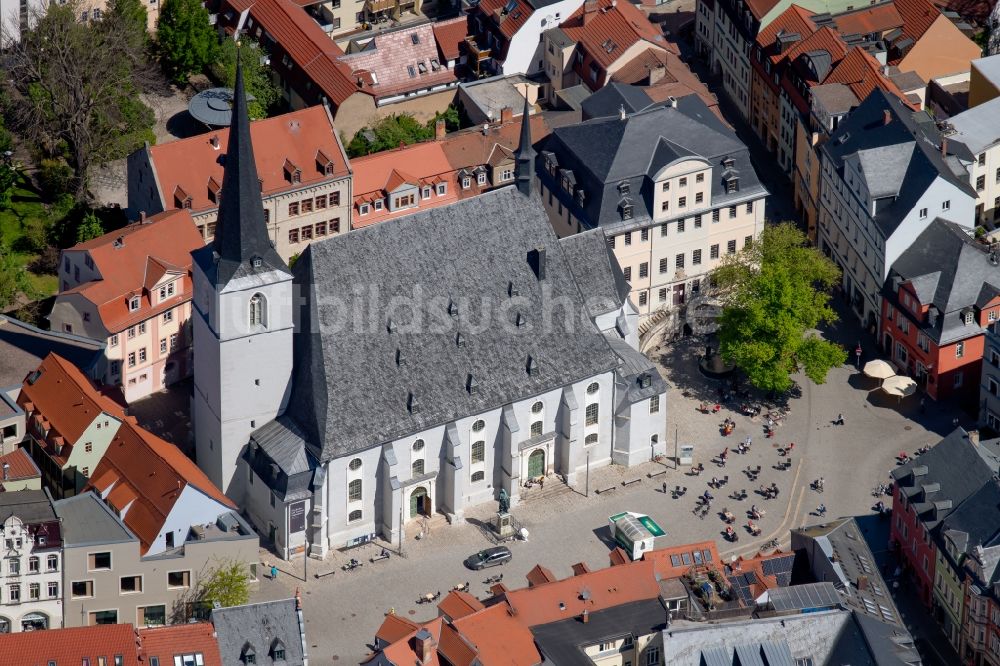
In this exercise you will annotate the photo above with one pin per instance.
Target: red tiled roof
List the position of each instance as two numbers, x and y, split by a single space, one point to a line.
510 23
166 642
638 69
876 18
20 466
131 260
860 72
71 646
760 7
470 147
499 638
540 575
66 399
608 31
795 20
142 467
608 587
401 61
823 39
459 604
298 137
305 42
395 627
917 15
452 646
449 36
663 558
685 83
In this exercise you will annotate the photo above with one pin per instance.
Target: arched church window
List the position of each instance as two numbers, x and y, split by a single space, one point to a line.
257 313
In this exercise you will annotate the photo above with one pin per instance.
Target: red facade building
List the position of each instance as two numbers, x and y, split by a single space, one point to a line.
941 294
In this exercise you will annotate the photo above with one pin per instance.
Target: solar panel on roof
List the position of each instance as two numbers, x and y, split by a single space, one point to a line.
778 565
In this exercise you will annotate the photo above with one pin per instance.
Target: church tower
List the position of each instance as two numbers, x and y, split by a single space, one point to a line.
525 157
242 318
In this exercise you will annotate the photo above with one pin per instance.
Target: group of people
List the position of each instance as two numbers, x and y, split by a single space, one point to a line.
769 492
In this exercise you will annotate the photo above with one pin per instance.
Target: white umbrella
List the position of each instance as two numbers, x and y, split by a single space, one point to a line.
899 386
878 369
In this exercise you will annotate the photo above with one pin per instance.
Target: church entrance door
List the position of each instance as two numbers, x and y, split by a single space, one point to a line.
420 503
536 464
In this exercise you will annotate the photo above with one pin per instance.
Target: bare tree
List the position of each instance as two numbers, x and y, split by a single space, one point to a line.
72 88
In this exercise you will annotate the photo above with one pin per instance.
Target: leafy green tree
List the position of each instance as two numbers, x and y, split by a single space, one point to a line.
8 180
131 14
73 93
256 76
90 227
775 293
388 133
13 279
227 583
451 117
187 41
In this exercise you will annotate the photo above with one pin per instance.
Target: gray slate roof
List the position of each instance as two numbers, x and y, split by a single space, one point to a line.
596 271
945 476
634 367
31 506
975 525
951 271
604 152
259 625
562 642
87 520
278 455
837 552
351 393
863 130
608 101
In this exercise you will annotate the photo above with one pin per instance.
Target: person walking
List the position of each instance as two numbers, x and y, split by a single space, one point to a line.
840 419
821 510
820 484
274 572
664 487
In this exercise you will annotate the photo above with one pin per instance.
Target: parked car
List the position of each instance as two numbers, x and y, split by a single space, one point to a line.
490 557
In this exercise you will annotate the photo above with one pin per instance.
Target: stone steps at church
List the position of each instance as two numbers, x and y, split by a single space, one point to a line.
554 487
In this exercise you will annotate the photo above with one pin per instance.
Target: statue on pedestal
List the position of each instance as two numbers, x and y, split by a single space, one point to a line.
504 501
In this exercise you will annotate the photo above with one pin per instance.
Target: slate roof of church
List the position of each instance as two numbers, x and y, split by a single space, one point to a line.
259 626
350 393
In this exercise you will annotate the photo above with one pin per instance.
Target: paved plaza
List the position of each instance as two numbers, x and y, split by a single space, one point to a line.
565 526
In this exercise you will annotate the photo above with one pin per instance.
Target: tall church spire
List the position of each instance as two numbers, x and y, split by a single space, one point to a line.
525 170
241 238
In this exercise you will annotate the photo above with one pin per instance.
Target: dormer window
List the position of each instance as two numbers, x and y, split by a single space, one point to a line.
292 172
277 650
324 164
624 187
626 208
969 317
214 190
728 163
248 655
133 303
181 198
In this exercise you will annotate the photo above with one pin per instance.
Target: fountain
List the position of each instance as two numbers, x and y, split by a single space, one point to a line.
713 366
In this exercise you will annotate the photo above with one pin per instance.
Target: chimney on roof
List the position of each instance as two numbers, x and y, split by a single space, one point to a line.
944 147
486 129
439 129
506 114
673 101
6 471
216 144
621 111
973 439
886 117
424 645
862 583
142 217
585 616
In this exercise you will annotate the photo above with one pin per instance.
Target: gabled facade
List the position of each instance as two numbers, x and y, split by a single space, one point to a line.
131 290
304 176
672 188
989 387
506 35
941 295
31 553
109 578
69 424
886 174
976 129
599 39
155 489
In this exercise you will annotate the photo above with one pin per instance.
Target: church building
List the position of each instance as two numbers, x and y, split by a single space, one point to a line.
414 367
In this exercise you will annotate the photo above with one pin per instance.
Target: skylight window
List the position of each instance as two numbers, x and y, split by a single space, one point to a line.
411 71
